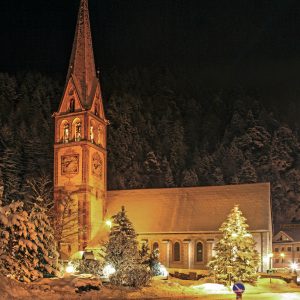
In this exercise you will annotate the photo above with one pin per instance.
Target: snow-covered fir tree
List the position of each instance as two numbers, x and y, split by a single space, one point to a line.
236 258
45 242
123 254
18 250
27 247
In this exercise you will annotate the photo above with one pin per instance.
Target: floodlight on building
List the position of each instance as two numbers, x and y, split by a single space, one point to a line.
108 223
282 254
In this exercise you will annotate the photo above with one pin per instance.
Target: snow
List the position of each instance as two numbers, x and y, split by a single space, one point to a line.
72 287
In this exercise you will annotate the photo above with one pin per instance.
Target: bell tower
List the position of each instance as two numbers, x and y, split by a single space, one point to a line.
80 156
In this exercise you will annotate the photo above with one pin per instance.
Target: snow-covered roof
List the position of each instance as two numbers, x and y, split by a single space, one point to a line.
192 209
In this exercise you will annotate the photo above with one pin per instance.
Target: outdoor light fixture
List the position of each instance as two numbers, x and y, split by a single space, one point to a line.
108 223
108 270
282 255
70 269
293 266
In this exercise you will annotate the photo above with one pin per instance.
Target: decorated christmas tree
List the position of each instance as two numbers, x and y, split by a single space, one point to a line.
236 258
123 255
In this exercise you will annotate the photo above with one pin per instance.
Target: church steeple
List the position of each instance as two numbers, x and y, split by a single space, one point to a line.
82 64
80 155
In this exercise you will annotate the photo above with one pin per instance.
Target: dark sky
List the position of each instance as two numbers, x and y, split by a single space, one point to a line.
254 42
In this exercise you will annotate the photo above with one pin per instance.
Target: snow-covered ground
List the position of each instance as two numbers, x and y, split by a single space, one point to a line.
68 288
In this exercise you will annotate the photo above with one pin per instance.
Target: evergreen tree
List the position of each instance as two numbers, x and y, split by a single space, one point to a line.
123 254
46 245
190 178
247 173
236 258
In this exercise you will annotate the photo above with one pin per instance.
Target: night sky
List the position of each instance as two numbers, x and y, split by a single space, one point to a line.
252 43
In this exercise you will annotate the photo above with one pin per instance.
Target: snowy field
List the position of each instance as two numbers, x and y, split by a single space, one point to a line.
68 288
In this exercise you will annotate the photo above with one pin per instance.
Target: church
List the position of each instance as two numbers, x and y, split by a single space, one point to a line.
182 222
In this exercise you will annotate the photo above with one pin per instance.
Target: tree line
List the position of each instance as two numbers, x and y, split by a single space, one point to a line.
165 131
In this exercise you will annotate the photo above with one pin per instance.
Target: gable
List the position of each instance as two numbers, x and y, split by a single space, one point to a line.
281 236
97 103
70 94
192 209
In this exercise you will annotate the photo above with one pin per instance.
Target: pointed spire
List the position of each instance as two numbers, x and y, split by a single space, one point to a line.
82 64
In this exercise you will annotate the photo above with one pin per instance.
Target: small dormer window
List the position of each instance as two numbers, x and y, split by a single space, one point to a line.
72 105
66 135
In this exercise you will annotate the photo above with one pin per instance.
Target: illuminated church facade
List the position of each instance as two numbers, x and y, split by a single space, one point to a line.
182 222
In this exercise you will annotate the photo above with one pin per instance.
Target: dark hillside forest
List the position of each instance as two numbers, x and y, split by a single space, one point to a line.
165 131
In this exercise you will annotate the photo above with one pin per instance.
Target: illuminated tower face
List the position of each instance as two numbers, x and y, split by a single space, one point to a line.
80 147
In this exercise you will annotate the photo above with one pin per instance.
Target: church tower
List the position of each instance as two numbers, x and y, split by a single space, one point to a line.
80 156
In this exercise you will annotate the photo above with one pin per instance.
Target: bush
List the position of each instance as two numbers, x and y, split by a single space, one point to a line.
135 276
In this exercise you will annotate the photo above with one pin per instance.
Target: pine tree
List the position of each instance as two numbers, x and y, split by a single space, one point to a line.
18 250
189 178
235 251
122 253
247 173
46 245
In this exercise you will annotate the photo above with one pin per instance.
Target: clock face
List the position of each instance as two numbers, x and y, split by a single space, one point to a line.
70 164
97 165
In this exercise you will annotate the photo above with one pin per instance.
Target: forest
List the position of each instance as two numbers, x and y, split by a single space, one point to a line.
165 131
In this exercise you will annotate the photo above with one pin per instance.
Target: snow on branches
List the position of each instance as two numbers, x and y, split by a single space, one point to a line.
27 247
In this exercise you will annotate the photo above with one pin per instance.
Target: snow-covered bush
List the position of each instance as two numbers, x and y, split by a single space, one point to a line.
88 266
135 275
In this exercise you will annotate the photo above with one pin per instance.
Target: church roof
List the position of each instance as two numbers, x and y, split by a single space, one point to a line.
82 65
192 209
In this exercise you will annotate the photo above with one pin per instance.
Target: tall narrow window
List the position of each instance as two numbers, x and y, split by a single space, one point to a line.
78 131
96 110
99 136
72 105
66 136
92 133
176 251
199 251
155 246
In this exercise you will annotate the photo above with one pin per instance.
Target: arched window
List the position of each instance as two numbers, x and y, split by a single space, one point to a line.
66 133
155 246
72 105
77 131
99 136
199 251
176 251
92 133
